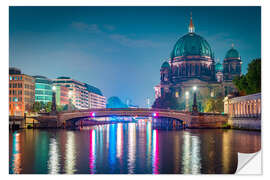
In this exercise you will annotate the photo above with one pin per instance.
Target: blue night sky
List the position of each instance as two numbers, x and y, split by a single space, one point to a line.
120 49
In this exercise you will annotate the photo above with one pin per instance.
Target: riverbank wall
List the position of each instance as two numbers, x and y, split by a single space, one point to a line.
245 123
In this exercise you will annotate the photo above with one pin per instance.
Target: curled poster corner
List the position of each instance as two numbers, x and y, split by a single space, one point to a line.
249 163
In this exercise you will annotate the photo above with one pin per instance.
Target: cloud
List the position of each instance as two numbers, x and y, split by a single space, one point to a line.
109 27
120 38
126 41
91 28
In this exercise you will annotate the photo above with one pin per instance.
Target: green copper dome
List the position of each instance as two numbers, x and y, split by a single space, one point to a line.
192 44
165 65
219 67
232 54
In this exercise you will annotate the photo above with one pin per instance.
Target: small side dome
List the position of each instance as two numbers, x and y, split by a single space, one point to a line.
165 65
232 54
219 67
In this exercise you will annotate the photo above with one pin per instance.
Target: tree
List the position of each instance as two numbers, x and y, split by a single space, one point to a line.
37 107
251 82
214 105
59 108
254 76
48 107
168 101
65 107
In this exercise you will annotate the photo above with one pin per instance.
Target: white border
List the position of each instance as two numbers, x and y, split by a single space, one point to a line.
4 72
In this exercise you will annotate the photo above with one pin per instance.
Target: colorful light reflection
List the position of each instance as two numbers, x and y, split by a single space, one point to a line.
131 147
16 155
53 162
155 153
92 151
70 153
119 140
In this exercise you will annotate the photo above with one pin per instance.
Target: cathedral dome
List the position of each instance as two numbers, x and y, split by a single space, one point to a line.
232 54
165 65
191 44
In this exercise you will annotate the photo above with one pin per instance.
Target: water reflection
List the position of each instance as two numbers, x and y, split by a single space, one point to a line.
70 153
53 163
185 156
177 157
119 140
129 148
92 151
155 153
112 147
191 154
195 155
149 144
16 155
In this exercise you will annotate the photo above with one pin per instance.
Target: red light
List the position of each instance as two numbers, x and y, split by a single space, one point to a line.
92 114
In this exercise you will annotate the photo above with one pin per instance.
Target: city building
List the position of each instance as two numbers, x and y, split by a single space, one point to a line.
95 97
43 89
192 64
21 92
77 92
61 95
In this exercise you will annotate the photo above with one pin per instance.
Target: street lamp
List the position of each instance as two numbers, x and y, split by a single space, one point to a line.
194 106
53 111
70 99
187 98
54 88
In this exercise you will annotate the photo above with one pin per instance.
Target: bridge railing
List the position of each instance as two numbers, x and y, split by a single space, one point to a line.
123 109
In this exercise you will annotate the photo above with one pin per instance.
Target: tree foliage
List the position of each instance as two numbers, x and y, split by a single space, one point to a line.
48 107
37 106
251 82
168 101
214 105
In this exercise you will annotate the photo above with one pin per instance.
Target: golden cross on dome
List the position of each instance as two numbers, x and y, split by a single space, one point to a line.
191 27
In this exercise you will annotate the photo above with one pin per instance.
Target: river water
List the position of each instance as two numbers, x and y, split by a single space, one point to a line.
135 148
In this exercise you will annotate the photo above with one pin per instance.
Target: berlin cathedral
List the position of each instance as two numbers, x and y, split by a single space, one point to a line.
192 64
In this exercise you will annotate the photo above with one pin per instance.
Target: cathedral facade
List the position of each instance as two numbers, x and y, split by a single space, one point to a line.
192 66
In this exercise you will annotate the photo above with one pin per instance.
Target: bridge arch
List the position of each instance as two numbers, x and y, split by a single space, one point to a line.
124 112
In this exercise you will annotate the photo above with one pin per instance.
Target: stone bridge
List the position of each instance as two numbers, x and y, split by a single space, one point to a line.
198 120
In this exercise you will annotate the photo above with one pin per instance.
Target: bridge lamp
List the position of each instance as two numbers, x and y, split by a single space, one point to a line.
154 114
92 114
